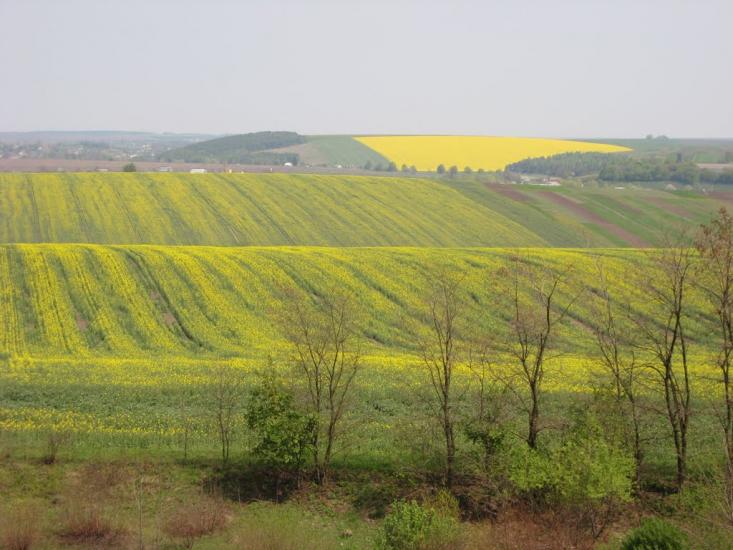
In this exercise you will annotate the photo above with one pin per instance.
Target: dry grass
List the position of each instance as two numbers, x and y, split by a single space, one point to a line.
195 519
526 531
86 523
19 529
264 538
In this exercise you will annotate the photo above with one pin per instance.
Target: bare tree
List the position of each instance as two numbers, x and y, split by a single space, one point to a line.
488 402
439 355
324 335
664 337
226 392
537 308
616 347
715 244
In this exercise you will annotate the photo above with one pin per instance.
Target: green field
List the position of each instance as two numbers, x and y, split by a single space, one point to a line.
344 150
315 210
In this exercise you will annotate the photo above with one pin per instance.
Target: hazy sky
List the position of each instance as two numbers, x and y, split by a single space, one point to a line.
554 68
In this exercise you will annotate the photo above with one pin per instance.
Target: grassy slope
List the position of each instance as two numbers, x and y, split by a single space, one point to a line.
596 216
280 209
345 150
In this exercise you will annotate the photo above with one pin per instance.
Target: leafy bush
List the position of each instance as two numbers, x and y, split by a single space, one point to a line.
655 534
284 435
586 474
585 467
411 526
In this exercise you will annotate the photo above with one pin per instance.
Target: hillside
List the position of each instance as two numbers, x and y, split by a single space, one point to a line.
242 148
286 209
425 152
81 301
239 209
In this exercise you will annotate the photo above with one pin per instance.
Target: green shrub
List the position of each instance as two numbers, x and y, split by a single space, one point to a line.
655 534
585 468
411 526
585 474
283 434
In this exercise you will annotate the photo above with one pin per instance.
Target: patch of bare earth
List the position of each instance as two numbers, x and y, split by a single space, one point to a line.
725 196
587 215
508 192
309 153
81 323
666 204
715 166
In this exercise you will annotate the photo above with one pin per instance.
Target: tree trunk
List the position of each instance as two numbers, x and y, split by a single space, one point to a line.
638 451
450 448
682 458
534 415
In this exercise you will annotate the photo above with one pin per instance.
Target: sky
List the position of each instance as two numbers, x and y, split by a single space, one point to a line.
562 68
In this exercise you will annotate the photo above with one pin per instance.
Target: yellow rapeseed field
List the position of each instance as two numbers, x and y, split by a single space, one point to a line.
489 153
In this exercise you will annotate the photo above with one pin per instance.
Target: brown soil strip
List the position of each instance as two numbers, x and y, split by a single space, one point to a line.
81 323
583 213
726 196
508 192
309 153
73 165
665 204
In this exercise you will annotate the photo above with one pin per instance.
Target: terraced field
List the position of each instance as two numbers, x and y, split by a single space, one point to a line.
487 152
312 210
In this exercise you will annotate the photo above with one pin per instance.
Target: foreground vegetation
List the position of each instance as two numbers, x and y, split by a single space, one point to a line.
435 369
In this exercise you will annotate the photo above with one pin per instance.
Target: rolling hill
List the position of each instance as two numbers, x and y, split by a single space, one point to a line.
83 301
304 210
241 148
239 209
423 152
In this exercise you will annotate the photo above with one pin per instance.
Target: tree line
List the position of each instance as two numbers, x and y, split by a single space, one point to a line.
615 167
